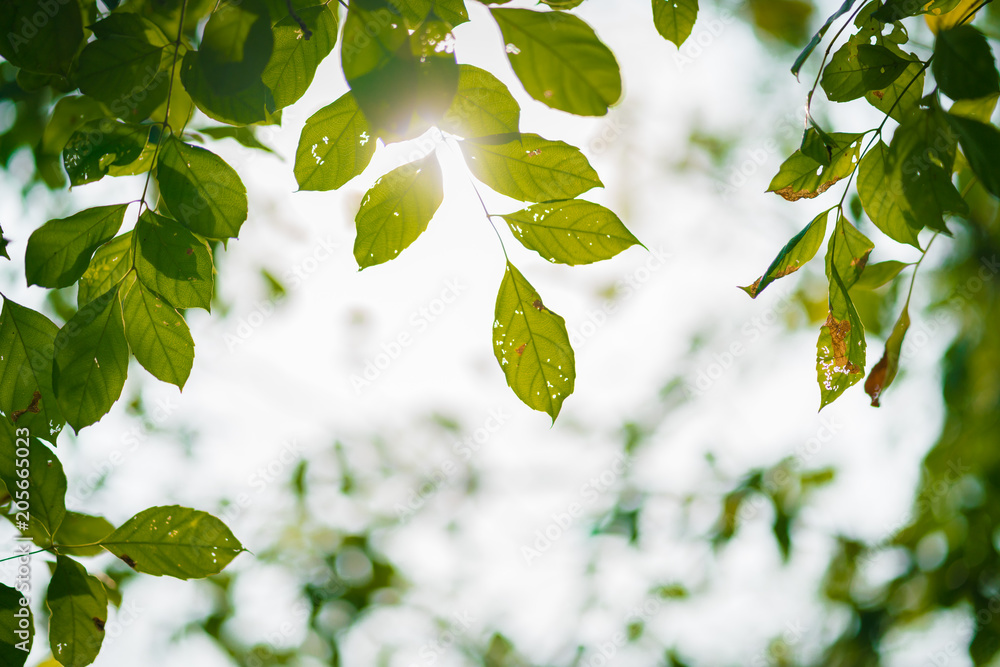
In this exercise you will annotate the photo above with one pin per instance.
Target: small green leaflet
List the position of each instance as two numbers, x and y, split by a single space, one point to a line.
59 251
78 605
799 250
335 146
397 210
981 146
560 60
801 177
173 262
157 334
482 106
818 37
198 187
840 350
101 144
884 372
674 19
48 45
294 59
15 639
571 231
877 275
45 484
236 45
174 541
857 68
530 168
91 361
532 346
886 207
110 264
27 339
963 64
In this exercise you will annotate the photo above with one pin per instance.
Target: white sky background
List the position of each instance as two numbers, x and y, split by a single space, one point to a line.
289 381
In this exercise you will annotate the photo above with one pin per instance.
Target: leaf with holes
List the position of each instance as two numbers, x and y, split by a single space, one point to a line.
532 346
78 605
397 210
335 146
156 333
101 144
857 68
571 231
59 251
801 177
174 541
674 19
840 350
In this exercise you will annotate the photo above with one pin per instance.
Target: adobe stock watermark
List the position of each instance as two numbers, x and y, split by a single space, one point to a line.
590 491
419 321
431 651
442 475
757 157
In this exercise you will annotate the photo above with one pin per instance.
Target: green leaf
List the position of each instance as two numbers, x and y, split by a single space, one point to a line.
848 252
69 114
560 60
877 275
963 64
674 19
980 109
896 10
78 605
570 231
818 37
41 482
41 36
254 104
857 68
101 144
81 529
110 264
127 66
797 252
294 59
245 136
882 197
482 106
397 210
901 98
884 372
840 357
59 251
530 168
27 341
17 629
3 245
236 45
335 146
174 541
91 361
532 346
157 334
173 262
981 146
198 187
801 177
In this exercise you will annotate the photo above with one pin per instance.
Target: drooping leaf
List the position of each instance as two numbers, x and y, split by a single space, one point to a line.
877 275
532 346
674 19
818 37
81 529
174 541
571 231
157 334
335 146
110 264
41 36
530 168
797 252
43 487
17 628
963 64
857 68
173 263
884 372
236 45
198 187
253 104
78 605
560 60
801 177
981 146
840 357
482 106
883 199
27 340
294 58
91 361
396 210
59 251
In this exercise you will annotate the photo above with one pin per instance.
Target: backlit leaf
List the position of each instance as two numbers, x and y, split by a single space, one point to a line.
963 65
883 199
253 104
797 252
41 36
236 45
173 262
110 264
79 610
674 19
100 145
15 638
336 145
482 106
857 68
157 334
884 372
59 251
981 146
45 483
840 351
877 275
801 177
81 529
294 58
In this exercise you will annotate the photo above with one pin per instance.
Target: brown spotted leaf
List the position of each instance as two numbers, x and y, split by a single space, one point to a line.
796 252
840 351
801 177
884 372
